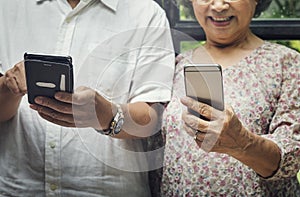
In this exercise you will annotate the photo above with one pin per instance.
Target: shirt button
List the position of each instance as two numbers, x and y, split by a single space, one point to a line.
53 187
52 145
68 20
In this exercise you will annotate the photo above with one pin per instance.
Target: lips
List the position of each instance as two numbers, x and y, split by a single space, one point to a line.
221 21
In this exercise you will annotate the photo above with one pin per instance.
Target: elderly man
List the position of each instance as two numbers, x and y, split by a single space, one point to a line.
70 145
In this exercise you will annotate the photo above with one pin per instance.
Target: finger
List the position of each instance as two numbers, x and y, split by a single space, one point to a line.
65 97
64 120
202 108
81 96
54 115
56 121
15 87
199 136
199 143
55 105
21 81
17 73
196 134
196 106
12 85
189 130
204 143
195 122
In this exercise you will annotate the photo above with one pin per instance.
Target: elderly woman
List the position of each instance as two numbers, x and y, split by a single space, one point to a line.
252 148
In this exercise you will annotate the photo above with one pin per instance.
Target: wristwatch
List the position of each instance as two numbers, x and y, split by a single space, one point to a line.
116 123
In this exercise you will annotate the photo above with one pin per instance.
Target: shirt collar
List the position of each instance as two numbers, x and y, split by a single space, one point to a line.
112 4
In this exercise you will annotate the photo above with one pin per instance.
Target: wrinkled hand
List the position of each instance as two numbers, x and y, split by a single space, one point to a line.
222 132
15 80
71 110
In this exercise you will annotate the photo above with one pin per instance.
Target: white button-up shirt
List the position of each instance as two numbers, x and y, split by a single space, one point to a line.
121 48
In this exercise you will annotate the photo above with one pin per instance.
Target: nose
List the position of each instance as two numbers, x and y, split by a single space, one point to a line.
219 5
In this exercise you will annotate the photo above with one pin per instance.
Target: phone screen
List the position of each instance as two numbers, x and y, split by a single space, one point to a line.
204 83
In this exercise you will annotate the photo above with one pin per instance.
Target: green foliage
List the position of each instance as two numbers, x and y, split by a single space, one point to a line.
186 46
283 9
294 44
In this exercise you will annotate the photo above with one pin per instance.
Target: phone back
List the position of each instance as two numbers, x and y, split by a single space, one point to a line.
204 83
46 75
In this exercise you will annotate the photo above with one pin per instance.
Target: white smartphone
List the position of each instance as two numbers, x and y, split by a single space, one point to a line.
204 82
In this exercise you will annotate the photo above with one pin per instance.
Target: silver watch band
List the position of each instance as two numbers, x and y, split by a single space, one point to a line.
115 125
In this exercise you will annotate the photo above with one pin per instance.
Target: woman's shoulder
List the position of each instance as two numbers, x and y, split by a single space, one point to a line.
281 56
278 49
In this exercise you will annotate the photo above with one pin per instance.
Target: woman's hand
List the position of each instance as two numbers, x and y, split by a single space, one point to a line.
75 110
222 131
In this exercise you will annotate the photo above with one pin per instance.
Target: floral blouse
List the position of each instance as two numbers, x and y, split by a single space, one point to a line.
264 90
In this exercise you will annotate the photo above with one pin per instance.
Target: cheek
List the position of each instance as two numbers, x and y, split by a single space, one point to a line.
246 9
200 15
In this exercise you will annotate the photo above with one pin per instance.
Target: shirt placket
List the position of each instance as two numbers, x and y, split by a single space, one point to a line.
65 37
53 166
52 160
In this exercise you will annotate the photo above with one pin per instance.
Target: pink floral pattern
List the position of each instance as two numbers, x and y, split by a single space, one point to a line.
264 90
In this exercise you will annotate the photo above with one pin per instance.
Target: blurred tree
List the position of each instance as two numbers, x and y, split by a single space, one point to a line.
285 9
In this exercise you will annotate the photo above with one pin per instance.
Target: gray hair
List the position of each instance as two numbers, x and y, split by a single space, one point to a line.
262 5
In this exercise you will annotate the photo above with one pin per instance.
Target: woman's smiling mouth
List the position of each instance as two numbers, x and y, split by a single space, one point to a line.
220 21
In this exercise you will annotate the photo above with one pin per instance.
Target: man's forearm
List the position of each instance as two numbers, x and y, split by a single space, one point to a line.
9 102
140 119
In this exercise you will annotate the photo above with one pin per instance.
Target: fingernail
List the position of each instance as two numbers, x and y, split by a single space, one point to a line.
38 100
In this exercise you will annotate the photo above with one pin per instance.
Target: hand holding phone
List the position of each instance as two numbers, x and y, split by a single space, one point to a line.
204 82
47 74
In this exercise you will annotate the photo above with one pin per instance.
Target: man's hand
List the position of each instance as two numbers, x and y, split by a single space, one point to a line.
12 89
15 80
75 110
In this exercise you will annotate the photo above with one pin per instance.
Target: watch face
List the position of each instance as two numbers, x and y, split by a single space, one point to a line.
119 125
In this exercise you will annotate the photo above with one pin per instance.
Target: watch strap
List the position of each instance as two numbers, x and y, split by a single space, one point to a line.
115 125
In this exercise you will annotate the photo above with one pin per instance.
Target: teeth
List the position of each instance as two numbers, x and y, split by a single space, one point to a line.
221 19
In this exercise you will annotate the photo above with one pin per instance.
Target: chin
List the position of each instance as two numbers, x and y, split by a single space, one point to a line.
221 42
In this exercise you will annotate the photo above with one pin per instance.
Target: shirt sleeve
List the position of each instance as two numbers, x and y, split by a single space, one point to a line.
152 80
285 125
